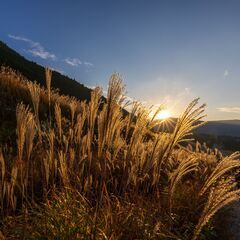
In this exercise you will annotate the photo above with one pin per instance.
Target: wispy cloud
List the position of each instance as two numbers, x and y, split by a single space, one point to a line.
226 73
88 64
35 48
19 38
39 51
229 109
73 61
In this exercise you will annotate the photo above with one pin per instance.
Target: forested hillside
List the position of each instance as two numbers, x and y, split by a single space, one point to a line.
35 72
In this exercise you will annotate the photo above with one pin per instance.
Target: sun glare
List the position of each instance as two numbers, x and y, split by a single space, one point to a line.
164 114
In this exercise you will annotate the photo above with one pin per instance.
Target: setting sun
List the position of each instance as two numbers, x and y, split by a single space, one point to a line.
164 114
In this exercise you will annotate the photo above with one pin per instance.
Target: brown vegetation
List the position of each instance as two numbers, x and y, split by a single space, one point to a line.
88 171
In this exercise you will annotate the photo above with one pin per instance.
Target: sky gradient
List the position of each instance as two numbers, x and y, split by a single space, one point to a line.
167 51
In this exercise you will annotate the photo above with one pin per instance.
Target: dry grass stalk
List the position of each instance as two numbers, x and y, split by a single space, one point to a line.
185 167
63 168
50 163
81 120
34 90
222 194
92 112
73 106
48 78
225 165
30 134
58 118
24 116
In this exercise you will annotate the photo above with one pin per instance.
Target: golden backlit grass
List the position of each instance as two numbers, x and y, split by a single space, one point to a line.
99 173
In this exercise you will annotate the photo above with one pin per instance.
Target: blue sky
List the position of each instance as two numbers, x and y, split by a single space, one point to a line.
167 51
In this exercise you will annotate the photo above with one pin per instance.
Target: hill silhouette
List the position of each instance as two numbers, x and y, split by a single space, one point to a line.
35 72
221 128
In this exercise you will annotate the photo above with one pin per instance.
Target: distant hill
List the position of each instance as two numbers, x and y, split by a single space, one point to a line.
232 122
221 128
214 128
35 72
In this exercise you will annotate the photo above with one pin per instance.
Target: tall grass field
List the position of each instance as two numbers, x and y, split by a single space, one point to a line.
92 170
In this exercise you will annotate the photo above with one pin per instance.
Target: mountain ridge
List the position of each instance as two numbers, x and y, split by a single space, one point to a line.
35 72
221 128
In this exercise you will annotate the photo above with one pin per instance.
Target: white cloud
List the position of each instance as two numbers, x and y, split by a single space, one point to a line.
40 52
229 109
36 49
226 73
88 64
73 61
19 38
